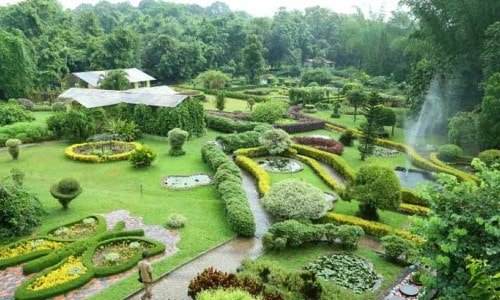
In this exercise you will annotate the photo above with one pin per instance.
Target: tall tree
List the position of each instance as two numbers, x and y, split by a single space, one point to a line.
489 118
370 127
253 58
114 80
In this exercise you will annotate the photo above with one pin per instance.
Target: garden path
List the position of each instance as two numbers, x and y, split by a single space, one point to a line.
226 257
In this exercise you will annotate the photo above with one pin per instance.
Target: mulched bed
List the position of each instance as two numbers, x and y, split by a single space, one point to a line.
12 277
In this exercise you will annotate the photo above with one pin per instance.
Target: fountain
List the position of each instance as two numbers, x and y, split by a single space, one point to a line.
280 165
410 178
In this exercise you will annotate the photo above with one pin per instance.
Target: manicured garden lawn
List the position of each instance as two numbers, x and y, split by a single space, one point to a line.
116 185
231 104
296 258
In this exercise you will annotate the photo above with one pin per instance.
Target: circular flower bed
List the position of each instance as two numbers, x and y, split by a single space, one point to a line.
84 228
347 271
97 152
118 252
186 181
280 165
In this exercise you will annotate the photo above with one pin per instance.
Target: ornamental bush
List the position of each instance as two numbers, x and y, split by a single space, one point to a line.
13 113
65 191
275 141
269 112
394 246
14 148
142 157
176 138
376 187
58 107
347 138
176 221
294 199
490 157
219 294
449 152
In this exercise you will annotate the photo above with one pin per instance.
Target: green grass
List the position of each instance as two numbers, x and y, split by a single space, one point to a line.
231 104
296 258
116 185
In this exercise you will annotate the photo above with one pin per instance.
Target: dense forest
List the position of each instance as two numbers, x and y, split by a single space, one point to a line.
456 43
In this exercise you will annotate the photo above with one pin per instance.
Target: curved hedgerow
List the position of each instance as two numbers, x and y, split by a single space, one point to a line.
71 153
263 180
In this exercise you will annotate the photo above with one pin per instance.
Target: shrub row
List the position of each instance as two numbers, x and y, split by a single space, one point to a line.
412 209
416 159
292 233
236 115
318 169
301 126
337 162
433 157
71 154
263 180
13 113
234 141
26 132
328 145
295 112
371 228
251 152
227 125
247 87
230 190
410 197
237 95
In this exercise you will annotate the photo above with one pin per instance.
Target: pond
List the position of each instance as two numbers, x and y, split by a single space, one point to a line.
280 165
186 181
412 178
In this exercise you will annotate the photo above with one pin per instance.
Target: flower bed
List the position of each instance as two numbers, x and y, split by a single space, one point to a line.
26 250
186 181
118 252
80 229
280 165
70 270
97 152
324 144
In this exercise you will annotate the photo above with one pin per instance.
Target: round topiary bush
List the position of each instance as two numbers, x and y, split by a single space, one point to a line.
142 157
449 152
294 199
176 138
489 157
347 138
66 190
176 221
13 147
58 107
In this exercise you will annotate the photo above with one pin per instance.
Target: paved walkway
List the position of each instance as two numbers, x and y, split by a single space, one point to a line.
227 257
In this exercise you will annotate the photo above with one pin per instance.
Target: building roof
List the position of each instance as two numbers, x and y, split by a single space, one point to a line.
155 96
133 75
326 61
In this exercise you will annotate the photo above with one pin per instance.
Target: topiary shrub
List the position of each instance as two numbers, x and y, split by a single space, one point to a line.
176 138
347 138
376 187
490 157
176 221
394 246
58 107
449 152
269 112
294 199
275 141
13 147
65 191
142 157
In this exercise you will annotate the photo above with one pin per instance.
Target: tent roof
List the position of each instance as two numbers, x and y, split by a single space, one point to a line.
155 96
133 75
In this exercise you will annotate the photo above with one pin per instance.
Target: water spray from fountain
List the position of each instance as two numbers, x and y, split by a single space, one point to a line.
429 118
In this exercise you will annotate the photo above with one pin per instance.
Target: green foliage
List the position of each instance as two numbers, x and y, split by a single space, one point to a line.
219 294
65 191
489 118
275 141
346 270
370 128
449 152
291 233
253 60
387 117
58 107
490 157
269 112
13 113
123 130
394 246
20 209
220 100
142 157
347 138
14 148
227 125
75 126
214 80
356 97
26 132
176 138
482 284
319 75
463 221
463 130
376 187
294 199
231 142
176 221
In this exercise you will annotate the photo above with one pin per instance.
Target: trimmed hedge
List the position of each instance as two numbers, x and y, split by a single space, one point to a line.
371 228
229 187
337 162
318 169
71 154
327 145
410 197
413 209
301 126
235 141
227 125
26 132
252 152
263 180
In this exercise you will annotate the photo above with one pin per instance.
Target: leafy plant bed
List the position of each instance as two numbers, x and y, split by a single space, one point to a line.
100 151
118 252
347 271
280 165
81 229
26 250
186 182
384 152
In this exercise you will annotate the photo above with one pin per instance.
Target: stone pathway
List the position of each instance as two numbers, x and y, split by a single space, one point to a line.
227 257
12 277
333 173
